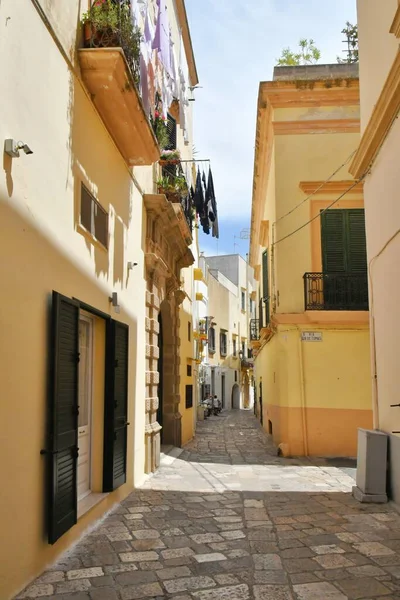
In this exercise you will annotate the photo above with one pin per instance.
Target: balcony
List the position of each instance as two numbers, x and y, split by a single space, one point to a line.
254 330
109 68
335 291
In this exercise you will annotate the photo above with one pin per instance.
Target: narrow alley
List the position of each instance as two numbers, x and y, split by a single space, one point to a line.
226 518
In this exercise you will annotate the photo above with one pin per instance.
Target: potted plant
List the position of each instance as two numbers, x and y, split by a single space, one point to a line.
173 187
170 157
159 124
108 24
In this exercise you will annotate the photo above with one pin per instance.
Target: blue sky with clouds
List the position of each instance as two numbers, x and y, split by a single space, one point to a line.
236 44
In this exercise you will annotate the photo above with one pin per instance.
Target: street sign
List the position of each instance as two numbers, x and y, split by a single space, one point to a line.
311 336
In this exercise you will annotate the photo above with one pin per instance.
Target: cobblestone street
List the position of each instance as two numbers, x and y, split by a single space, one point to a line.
226 518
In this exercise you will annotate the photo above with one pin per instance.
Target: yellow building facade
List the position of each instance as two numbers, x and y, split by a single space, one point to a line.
93 256
311 335
376 160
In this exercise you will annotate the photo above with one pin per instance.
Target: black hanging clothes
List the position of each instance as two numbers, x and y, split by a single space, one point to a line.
198 195
212 205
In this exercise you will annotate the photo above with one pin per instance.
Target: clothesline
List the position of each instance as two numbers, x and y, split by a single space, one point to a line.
195 160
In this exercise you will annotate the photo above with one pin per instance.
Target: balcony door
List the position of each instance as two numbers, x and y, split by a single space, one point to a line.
85 404
344 258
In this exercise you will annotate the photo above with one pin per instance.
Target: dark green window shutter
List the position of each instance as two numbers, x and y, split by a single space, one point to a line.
63 442
333 240
343 241
171 131
265 280
116 406
357 246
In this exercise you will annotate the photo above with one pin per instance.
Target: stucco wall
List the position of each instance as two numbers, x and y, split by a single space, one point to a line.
377 49
313 391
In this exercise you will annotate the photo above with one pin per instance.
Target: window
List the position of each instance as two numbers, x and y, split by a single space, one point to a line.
189 396
244 349
235 376
211 340
189 370
264 300
243 300
234 346
189 331
223 343
343 241
251 306
93 217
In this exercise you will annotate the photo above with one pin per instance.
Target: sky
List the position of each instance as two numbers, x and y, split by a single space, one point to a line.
236 45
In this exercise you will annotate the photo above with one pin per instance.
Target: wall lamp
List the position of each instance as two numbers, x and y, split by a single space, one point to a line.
114 301
131 265
12 148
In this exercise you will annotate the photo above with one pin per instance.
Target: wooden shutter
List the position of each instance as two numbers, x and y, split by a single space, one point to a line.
63 442
333 240
265 279
356 241
116 406
171 131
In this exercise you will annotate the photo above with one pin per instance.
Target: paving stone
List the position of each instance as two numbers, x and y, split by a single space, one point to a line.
297 565
226 579
233 535
272 592
85 573
126 568
149 590
80 585
333 561
105 593
215 556
105 581
318 591
363 588
205 538
234 592
279 577
135 577
327 549
138 556
188 583
267 562
373 549
150 566
37 591
176 553
174 573
144 545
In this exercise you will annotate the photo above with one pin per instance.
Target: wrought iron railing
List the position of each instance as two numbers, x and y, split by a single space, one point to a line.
173 185
335 291
254 330
110 26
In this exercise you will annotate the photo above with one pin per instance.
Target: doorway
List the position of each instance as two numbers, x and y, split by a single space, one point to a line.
85 390
160 368
235 396
223 390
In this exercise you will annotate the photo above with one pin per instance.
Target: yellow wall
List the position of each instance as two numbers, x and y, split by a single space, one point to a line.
316 391
315 394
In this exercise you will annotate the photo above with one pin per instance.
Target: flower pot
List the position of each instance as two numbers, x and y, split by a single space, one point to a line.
87 33
163 162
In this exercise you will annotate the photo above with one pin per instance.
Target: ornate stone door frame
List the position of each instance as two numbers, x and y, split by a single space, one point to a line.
166 253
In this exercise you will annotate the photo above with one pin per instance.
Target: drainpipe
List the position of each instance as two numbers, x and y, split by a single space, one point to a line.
302 392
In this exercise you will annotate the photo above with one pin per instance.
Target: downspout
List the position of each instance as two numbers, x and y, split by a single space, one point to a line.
302 392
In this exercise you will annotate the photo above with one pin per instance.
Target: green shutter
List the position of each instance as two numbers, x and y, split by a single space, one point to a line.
333 242
63 439
343 241
356 242
265 286
116 406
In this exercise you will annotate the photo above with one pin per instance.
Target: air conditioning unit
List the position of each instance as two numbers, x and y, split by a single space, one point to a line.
371 466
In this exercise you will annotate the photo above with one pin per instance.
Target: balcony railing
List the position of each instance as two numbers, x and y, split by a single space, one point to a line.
118 32
254 330
335 291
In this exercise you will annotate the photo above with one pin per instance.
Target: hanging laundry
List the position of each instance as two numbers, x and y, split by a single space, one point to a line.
198 195
161 37
212 205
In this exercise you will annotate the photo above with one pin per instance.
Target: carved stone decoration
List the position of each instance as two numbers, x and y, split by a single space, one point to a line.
166 252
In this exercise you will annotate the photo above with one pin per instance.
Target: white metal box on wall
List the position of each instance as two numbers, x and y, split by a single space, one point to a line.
371 466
